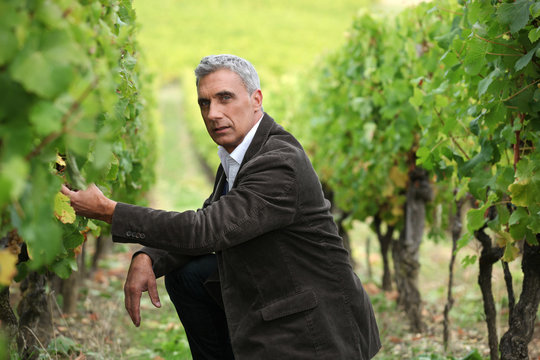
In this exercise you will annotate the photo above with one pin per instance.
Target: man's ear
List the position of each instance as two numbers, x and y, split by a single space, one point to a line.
257 97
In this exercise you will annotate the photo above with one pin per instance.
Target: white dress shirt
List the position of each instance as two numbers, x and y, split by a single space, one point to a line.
231 162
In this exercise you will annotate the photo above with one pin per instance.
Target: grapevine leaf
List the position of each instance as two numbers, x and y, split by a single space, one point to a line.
476 219
8 44
511 252
8 269
526 59
63 210
59 161
476 56
14 171
468 260
464 240
473 355
514 14
40 75
72 236
534 34
479 11
519 230
65 267
518 215
45 117
398 177
523 192
535 10
49 13
534 221
484 83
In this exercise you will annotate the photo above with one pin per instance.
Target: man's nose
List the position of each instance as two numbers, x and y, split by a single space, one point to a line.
214 111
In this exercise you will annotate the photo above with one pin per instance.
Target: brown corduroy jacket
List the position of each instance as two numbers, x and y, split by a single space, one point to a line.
288 289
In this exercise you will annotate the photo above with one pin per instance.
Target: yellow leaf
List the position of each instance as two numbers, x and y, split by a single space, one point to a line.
398 177
388 190
8 260
60 161
63 210
510 252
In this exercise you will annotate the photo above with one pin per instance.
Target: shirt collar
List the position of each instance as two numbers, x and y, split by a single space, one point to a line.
239 152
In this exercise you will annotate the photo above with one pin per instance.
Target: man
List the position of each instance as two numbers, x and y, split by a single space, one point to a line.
261 266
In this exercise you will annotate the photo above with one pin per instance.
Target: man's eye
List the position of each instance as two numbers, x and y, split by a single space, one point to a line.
204 104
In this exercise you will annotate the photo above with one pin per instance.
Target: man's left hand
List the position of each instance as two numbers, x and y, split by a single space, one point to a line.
91 203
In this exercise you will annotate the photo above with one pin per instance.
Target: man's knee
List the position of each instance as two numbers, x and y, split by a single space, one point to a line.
189 279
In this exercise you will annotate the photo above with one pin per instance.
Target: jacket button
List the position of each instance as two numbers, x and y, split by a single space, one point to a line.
128 234
143 236
137 235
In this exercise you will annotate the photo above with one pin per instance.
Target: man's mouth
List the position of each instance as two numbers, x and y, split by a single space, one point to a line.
221 129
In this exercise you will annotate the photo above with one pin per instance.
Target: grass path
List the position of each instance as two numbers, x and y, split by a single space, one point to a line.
181 184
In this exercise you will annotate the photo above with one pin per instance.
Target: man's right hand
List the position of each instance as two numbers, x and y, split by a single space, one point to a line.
140 278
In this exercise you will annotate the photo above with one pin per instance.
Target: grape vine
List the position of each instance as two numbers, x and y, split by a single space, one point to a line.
73 110
451 87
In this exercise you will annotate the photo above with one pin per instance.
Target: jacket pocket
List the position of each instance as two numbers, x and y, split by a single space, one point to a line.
305 300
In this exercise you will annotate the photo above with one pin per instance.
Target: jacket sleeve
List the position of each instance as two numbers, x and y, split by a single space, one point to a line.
164 261
264 199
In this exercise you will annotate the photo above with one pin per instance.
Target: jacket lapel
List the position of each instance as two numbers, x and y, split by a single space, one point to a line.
266 125
218 184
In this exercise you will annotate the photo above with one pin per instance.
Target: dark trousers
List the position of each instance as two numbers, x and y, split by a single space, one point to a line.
203 319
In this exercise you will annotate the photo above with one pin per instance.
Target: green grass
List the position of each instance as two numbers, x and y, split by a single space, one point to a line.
277 36
180 183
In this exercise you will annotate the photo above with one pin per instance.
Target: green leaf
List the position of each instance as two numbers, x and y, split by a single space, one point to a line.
65 267
535 10
479 11
518 215
468 260
534 220
464 240
523 192
534 34
473 355
40 75
45 117
515 14
8 44
72 236
476 218
475 59
15 170
483 84
526 59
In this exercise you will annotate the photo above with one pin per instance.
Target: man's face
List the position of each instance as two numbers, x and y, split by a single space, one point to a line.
229 112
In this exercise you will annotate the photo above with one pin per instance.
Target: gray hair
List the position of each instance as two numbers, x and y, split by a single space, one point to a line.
242 67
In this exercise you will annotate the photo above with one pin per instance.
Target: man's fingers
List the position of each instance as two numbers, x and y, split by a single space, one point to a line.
65 190
133 306
153 292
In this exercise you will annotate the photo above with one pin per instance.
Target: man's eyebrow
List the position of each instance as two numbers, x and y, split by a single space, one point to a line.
225 92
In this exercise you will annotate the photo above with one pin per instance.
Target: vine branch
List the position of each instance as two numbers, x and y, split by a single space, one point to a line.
498 43
452 137
521 90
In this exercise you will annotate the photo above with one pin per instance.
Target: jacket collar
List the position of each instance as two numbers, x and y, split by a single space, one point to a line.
262 134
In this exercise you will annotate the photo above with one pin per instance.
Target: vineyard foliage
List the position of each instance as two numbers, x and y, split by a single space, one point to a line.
73 110
451 87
